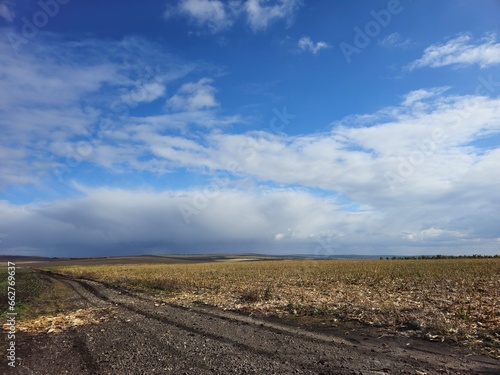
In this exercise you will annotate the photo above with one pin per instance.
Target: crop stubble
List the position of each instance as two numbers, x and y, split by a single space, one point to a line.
456 300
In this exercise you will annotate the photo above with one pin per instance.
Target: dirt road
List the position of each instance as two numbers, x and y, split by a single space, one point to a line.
144 336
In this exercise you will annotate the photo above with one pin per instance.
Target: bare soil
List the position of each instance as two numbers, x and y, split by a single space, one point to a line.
139 334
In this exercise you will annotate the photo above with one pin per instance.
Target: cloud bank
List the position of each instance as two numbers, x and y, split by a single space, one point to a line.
416 177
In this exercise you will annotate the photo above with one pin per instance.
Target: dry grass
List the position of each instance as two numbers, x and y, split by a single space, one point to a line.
62 321
448 299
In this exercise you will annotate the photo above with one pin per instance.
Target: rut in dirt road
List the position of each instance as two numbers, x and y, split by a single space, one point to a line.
145 336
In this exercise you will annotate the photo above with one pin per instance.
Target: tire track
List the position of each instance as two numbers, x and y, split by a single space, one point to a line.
88 360
275 356
153 337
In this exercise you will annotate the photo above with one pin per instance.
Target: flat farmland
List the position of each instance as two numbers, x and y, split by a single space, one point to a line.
453 300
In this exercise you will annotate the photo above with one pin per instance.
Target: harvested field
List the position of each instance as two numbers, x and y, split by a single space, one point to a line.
456 300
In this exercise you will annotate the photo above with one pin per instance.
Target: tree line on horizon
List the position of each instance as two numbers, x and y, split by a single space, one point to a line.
439 256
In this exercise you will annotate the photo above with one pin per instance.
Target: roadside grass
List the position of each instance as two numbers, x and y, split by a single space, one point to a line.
45 305
28 286
456 300
35 295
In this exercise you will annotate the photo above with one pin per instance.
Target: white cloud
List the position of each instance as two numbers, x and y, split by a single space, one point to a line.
216 15
6 11
395 40
141 220
28 76
461 51
446 204
435 234
40 104
442 191
445 198
194 96
305 44
422 94
119 221
262 13
144 93
429 129
213 14
49 108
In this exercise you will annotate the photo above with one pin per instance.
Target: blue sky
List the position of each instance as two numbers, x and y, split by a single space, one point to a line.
278 126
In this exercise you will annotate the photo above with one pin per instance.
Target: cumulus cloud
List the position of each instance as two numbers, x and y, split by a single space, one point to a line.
305 44
193 96
403 177
215 15
286 220
430 130
460 51
262 13
145 92
148 221
441 191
